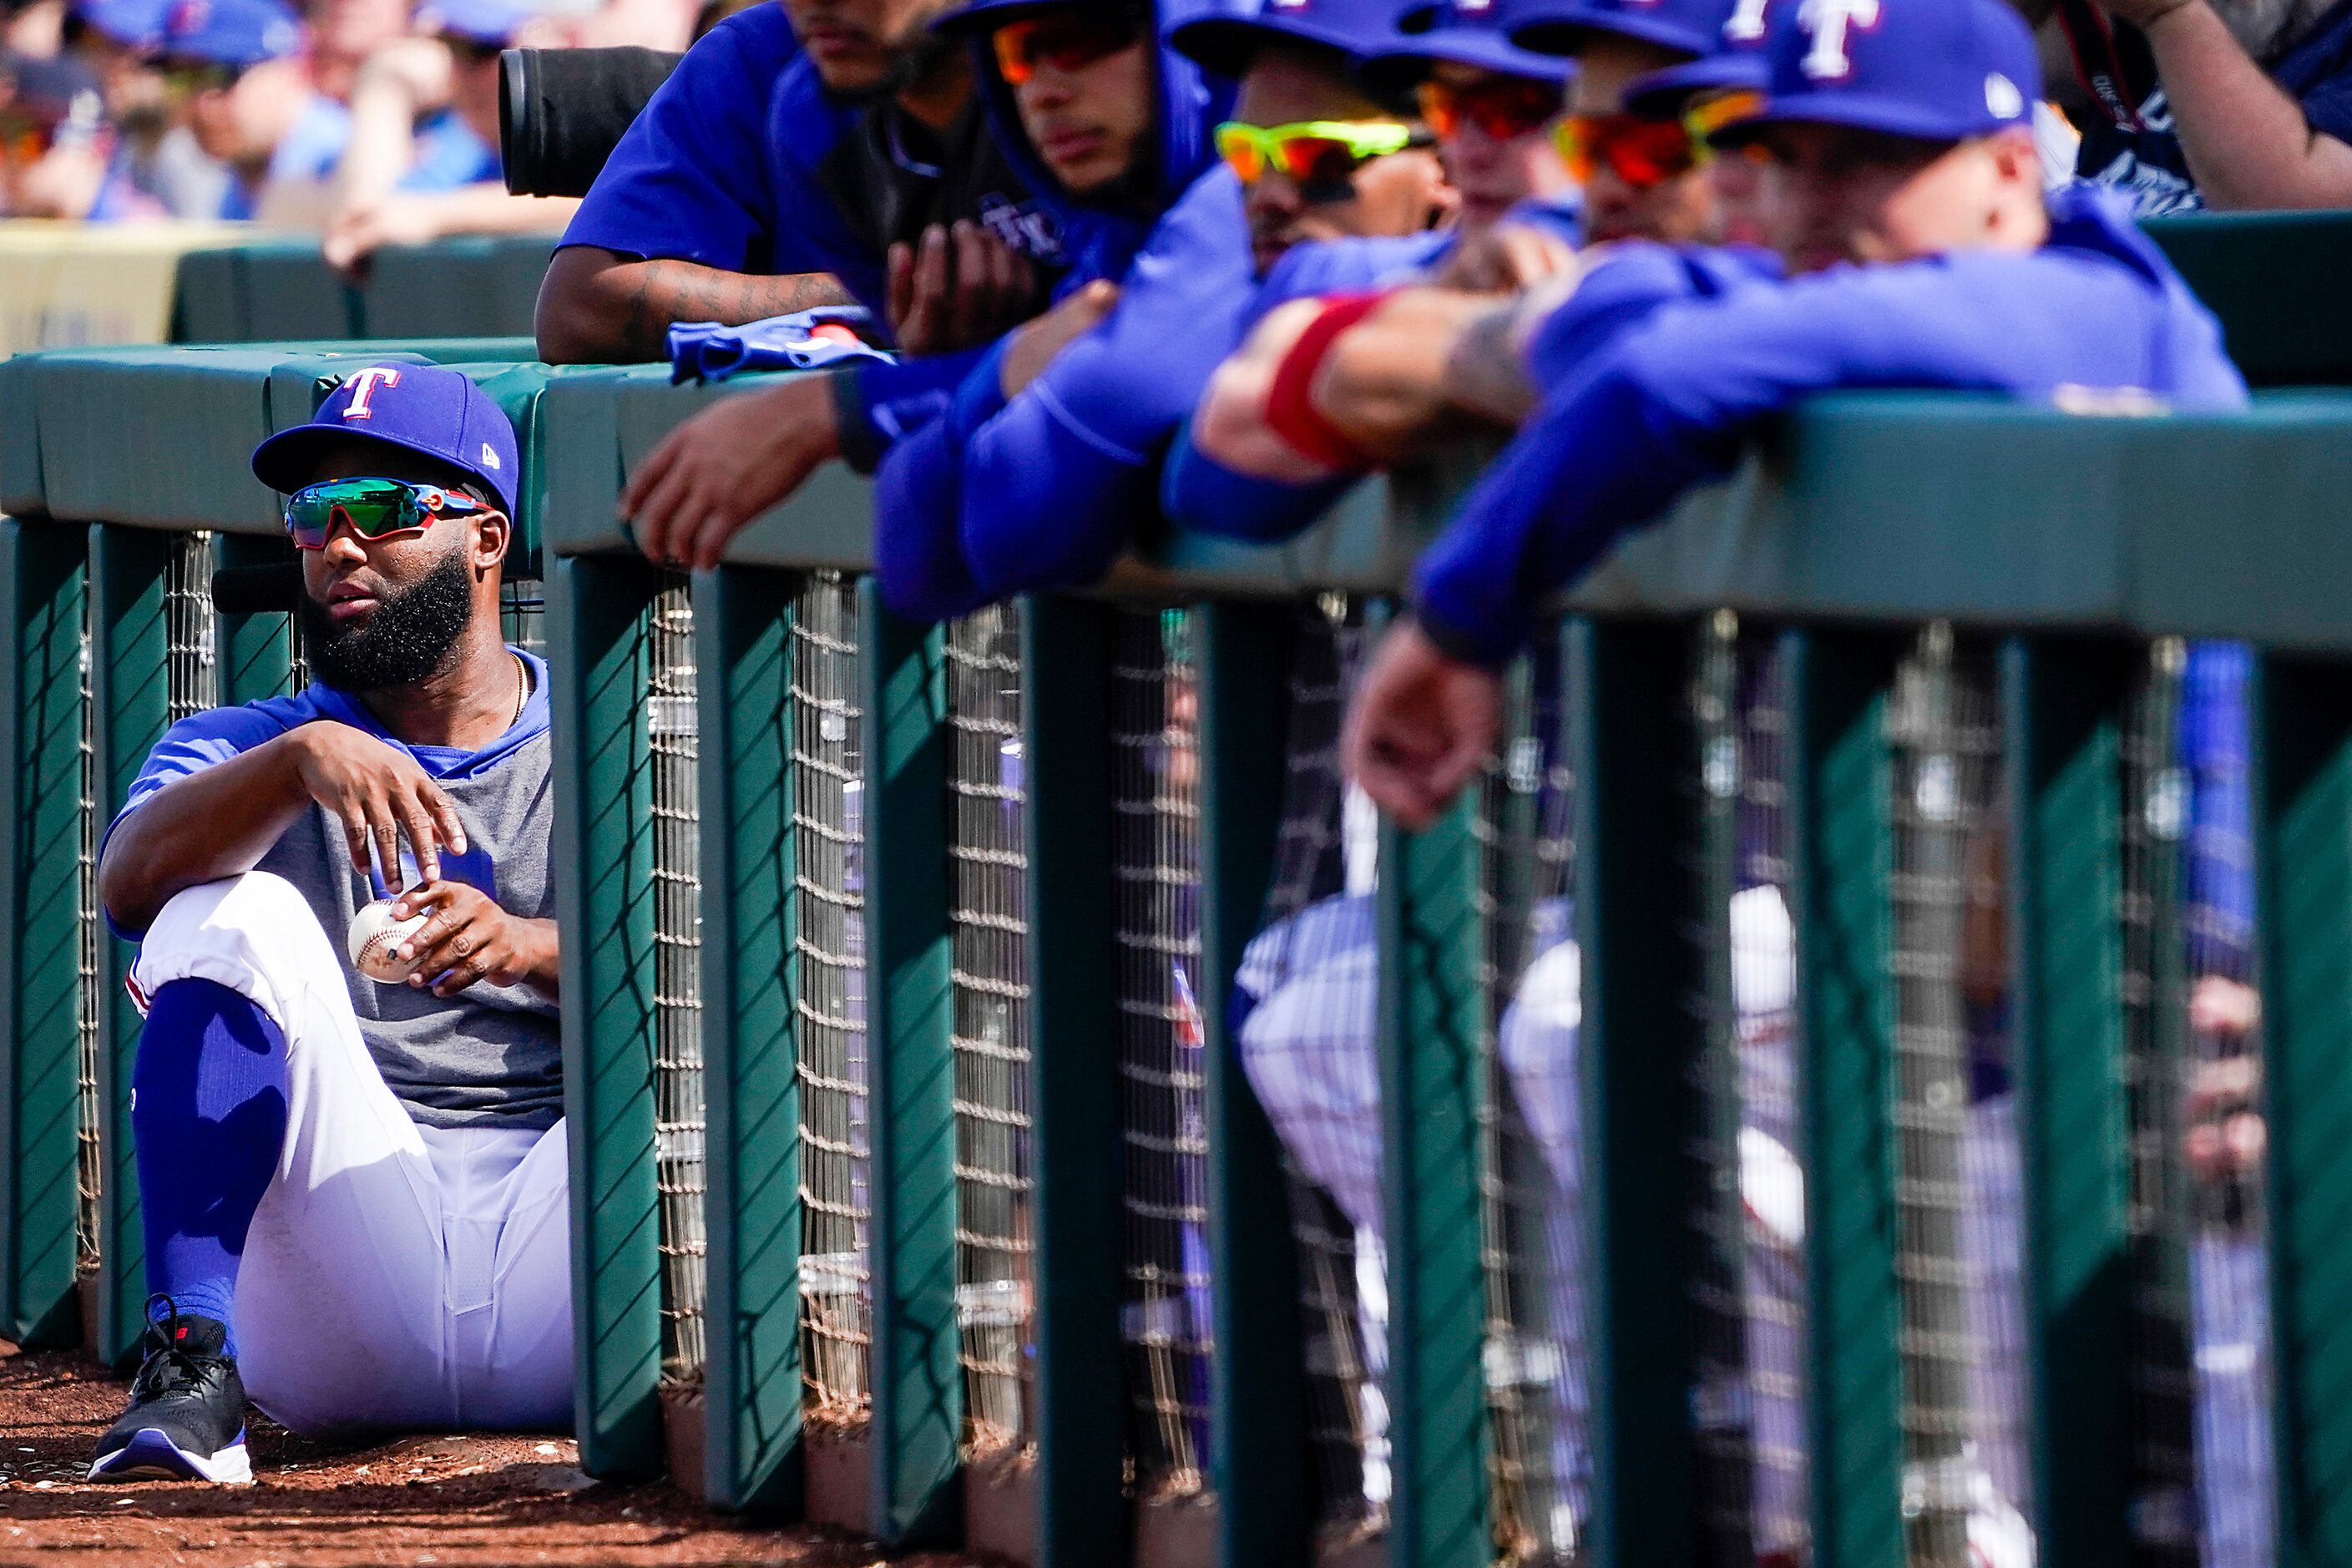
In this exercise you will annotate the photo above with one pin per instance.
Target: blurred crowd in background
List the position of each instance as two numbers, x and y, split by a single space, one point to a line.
368 121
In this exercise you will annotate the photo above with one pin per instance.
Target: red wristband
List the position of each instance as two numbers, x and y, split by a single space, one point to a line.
1290 411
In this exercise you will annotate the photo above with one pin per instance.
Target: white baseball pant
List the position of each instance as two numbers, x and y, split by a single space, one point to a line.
395 1277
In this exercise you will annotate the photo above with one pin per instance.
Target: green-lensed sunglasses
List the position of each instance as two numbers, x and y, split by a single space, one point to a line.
1321 153
375 509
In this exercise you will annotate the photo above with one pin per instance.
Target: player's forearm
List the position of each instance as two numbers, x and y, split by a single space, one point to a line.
1385 383
218 822
2247 141
598 306
545 945
1482 375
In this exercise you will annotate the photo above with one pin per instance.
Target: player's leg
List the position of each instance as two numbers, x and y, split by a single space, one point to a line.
250 1058
510 1247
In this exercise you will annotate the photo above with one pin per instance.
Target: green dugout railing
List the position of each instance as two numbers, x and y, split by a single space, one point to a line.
2054 549
282 291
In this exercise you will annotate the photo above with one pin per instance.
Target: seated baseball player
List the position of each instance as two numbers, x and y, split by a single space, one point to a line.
354 1190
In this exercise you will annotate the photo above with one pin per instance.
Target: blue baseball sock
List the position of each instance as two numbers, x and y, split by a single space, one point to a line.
209 1114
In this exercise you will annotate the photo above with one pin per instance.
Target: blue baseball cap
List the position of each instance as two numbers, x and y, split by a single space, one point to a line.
1224 43
1561 27
477 21
1736 64
1466 32
240 33
416 407
1941 70
136 23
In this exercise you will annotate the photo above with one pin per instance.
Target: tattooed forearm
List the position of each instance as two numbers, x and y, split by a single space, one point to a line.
598 306
1482 375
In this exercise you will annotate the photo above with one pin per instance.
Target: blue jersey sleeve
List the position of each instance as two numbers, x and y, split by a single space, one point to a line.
693 178
881 403
1625 435
199 742
1205 495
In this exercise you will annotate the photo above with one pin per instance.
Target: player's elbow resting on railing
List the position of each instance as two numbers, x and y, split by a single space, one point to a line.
586 308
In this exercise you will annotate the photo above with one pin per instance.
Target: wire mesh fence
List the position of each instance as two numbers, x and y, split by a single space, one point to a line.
829 1003
679 1171
991 979
1156 864
89 1166
1308 986
1530 1180
1966 1484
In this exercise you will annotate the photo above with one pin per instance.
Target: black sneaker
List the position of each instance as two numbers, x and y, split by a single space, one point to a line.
187 1420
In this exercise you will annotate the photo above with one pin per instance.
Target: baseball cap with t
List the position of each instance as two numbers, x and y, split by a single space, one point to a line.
240 33
1940 70
416 407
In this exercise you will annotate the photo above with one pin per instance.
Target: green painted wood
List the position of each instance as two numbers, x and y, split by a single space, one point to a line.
2303 857
1840 784
475 286
2064 709
2265 276
916 1377
1637 904
1433 1022
1257 1399
753 1208
599 660
43 585
257 652
1074 1139
127 679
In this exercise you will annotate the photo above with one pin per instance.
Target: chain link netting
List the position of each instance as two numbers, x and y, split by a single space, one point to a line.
829 1003
1156 868
672 737
990 937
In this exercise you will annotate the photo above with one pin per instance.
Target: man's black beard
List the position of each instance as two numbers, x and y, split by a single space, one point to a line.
413 634
911 63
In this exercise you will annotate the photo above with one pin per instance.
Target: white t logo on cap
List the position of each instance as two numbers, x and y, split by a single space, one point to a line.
1828 21
1747 23
364 385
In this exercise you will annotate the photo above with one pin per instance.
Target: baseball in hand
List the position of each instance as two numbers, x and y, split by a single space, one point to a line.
375 932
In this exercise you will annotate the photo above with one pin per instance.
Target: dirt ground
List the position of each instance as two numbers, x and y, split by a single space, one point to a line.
460 1503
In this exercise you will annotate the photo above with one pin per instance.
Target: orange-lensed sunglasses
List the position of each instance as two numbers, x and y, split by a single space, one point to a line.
1066 40
1505 107
1645 153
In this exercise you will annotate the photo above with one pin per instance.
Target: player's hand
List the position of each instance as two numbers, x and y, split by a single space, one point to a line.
959 288
356 233
726 466
469 938
1034 346
1421 724
1506 258
379 794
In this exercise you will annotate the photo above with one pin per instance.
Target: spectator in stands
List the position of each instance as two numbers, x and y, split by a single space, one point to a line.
424 156
344 35
232 67
1105 128
2228 104
1048 459
52 138
1905 174
152 166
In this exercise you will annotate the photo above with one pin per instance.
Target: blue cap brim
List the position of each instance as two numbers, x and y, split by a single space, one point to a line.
1661 94
987 15
1224 45
1557 30
1392 71
286 461
1857 111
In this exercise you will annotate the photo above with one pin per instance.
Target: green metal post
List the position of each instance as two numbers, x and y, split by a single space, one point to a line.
257 652
2064 709
597 635
1636 905
1432 1018
2303 858
1066 661
751 1375
1840 784
127 680
917 1376
1257 1396
43 584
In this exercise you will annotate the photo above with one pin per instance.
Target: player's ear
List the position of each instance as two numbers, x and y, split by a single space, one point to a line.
493 536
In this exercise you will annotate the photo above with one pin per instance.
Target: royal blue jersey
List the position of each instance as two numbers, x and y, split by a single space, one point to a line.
695 176
1623 435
